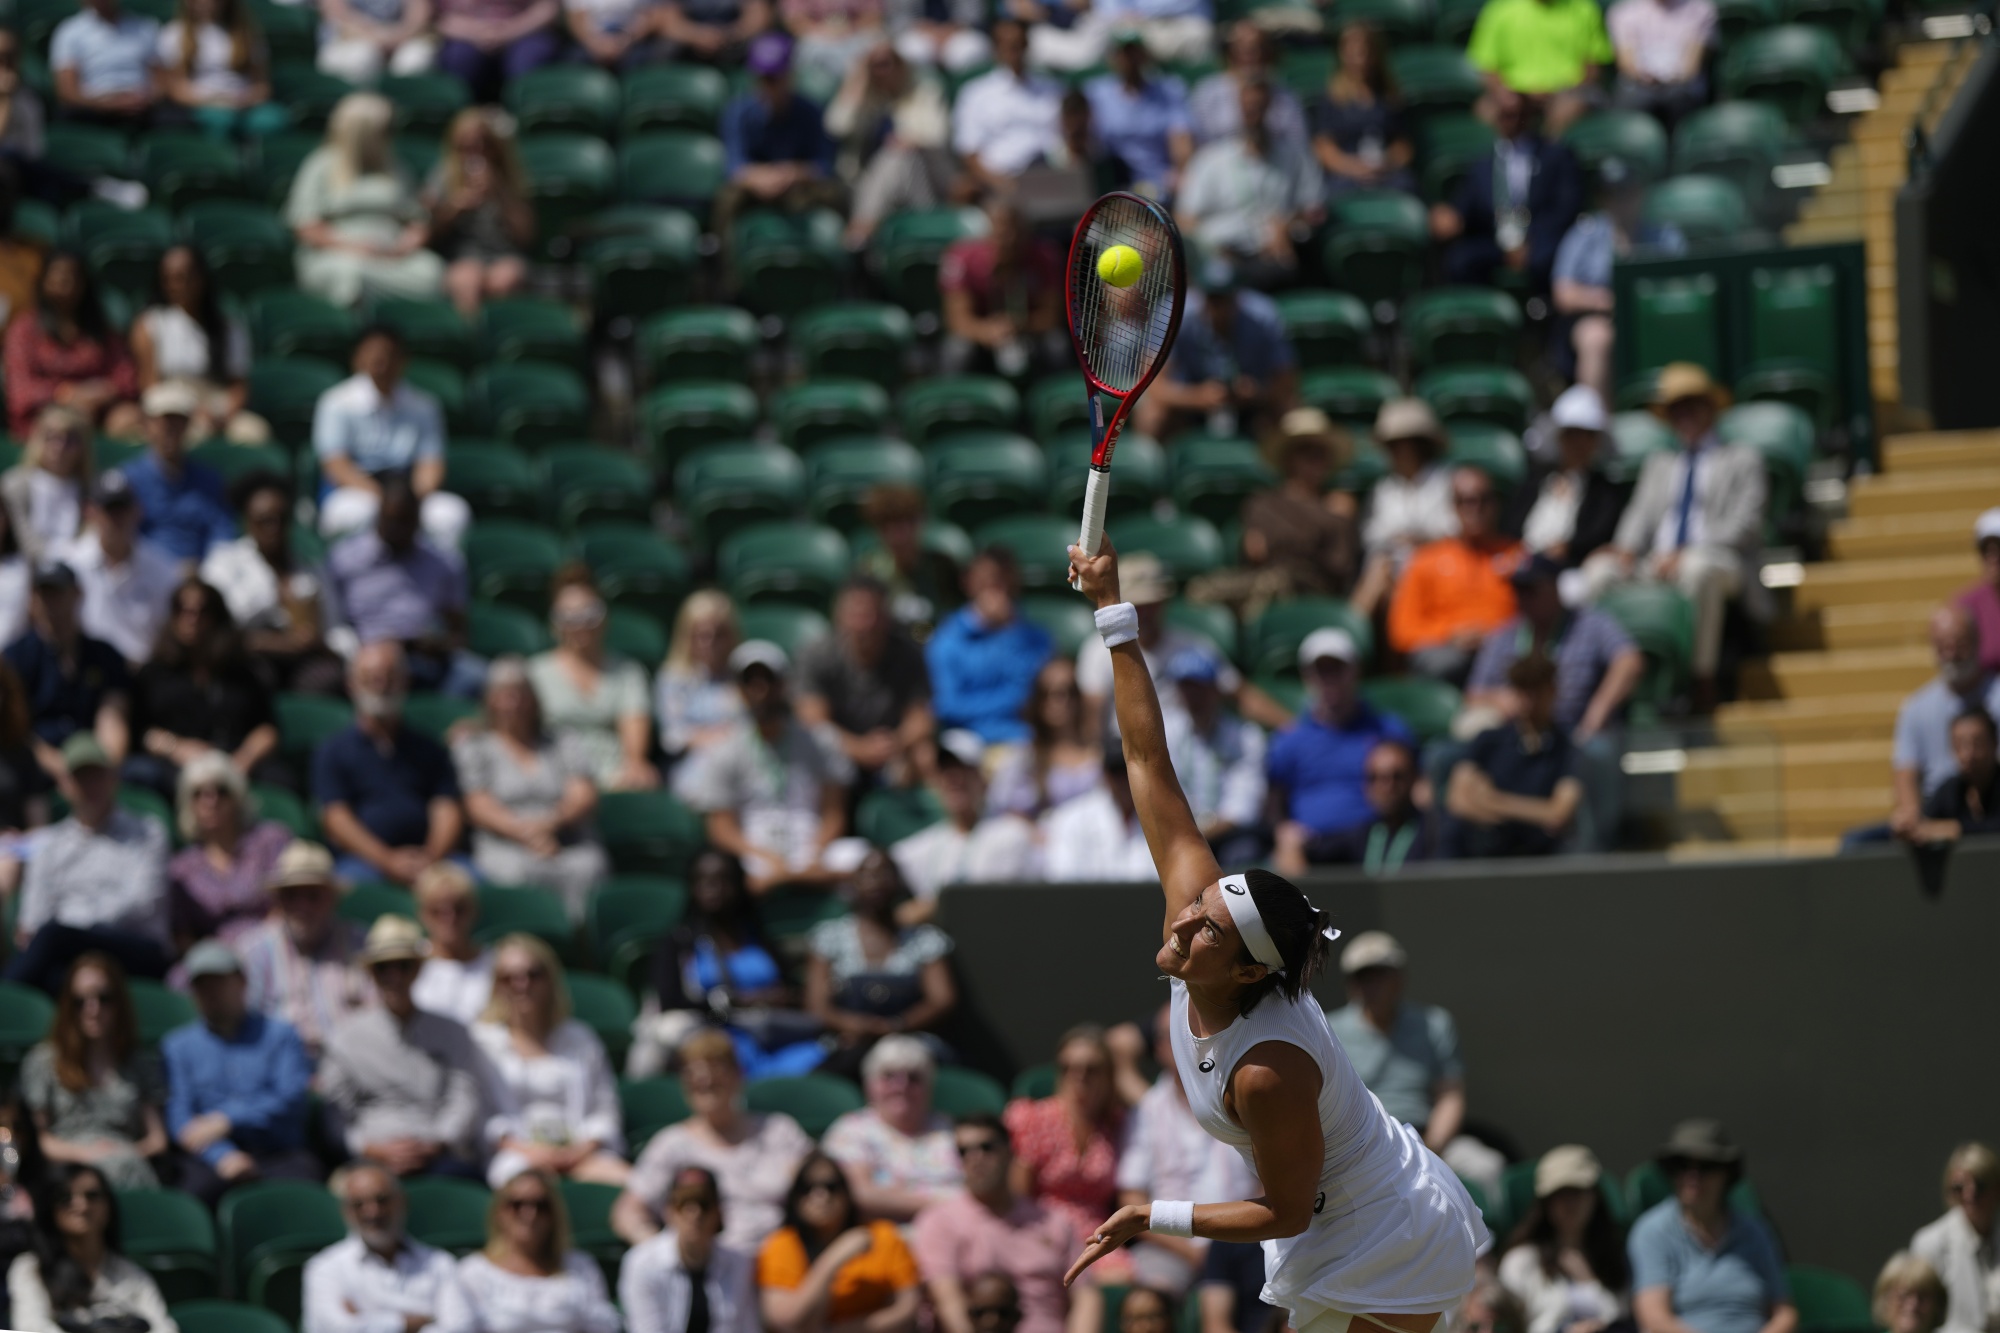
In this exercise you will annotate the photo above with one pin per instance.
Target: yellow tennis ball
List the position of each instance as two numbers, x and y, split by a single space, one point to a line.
1120 266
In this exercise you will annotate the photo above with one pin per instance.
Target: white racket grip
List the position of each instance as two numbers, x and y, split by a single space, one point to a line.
1096 494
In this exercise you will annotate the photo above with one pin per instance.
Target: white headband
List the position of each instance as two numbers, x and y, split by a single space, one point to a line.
1250 922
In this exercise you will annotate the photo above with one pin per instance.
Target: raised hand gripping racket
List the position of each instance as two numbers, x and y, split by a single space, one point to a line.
1122 334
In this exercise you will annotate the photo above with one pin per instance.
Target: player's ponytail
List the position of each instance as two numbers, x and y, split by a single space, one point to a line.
1296 927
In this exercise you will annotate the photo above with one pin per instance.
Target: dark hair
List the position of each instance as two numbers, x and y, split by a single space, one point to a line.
378 329
68 1285
1295 926
986 1120
1603 1242
1983 718
14 720
1408 750
796 1194
1002 559
743 915
396 488
1531 673
90 320
867 583
1166 1301
218 650
252 484
208 310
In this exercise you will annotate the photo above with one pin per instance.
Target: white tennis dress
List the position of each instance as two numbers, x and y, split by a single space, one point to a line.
1393 1230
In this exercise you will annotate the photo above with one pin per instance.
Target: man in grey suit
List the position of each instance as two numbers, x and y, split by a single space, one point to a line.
1695 521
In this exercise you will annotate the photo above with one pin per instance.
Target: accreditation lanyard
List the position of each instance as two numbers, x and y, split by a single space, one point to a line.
1386 851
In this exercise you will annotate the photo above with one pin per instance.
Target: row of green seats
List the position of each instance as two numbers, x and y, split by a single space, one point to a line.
514 401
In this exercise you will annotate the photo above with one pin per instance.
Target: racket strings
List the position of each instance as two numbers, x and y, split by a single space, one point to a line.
1122 331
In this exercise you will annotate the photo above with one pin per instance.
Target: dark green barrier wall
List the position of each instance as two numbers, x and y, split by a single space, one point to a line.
1840 1022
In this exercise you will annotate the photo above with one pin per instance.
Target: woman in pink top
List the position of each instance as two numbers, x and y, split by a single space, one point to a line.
1066 1147
1982 600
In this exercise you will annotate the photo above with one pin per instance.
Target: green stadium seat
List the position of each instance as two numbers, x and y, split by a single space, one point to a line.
725 488
1646 1185
493 630
529 328
1040 543
304 720
1737 19
497 480
1451 141
650 1105
1186 543
800 563
790 627
1425 706
1675 319
531 399
840 473
287 323
1708 210
170 1235
36 221
1497 394
606 1008
430 328
1303 69
1784 438
906 248
581 99
1791 65
814 1100
1326 329
1057 404
570 176
425 103
1829 1302
1448 326
1661 622
957 1091
1215 623
1494 450
435 715
672 97
1351 395
1455 21
1138 474
1518 1190
1377 245
698 343
208 1316
267 1230
159 1010
815 411
1212 478
246 246
522 910
640 259
25 1016
1739 141
589 1206
446 383
934 407
1633 436
275 158
888 815
860 340
648 832
512 562
1271 642
1066 618
366 903
1633 138
782 263
1852 23
447 1214
626 918
1434 78
588 483
636 634
681 417
179 168
1398 20
679 167
636 569
1794 354
284 391
88 150
122 248
291 33
978 476
1035 1082
310 96
281 806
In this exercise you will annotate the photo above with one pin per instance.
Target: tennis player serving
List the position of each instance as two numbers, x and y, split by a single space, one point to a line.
1363 1228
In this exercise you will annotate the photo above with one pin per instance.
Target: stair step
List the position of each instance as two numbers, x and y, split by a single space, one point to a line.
1732 770
1943 491
1870 625
1926 579
1850 717
1812 675
1892 535
1941 451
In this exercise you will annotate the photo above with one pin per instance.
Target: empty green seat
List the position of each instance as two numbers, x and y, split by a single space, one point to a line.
1040 544
531 328
784 562
280 806
267 1230
425 103
570 176
1633 436
1212 478
304 720
519 909
1351 395
635 634
1737 19
650 1105
1325 328
1453 325
814 1100
497 480
179 168
446 1214
1215 623
1186 543
311 97
1852 23
512 562
247 247
1674 319
493 630
678 167
287 323
88 150
158 1009
1425 706
1451 142
1067 619
1377 245
1271 642
170 1235
212 1316
580 98
790 627
635 567
641 259
284 391
978 476
934 407
1058 403
783 263
905 250
818 410
626 918
841 472
606 1008
1633 138
1661 622
366 903
681 417
1435 78
698 343
1739 141
1828 1302
588 483
723 489
1492 449
1398 20
121 247
290 31
446 383
1138 473
25 1016
861 340
888 815
1784 438
1035 1082
672 97
589 1205
648 832
436 714
430 328
957 1091
1790 66
1455 21
1795 350
1498 394
531 400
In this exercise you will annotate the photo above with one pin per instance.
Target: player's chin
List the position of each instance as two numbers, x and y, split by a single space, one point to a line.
1169 962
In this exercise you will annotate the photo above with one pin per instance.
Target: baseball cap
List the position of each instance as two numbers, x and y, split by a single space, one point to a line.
83 750
112 489
1144 580
170 398
53 574
302 862
759 653
1332 641
1569 1167
1986 527
1372 948
769 54
960 746
212 958
1579 408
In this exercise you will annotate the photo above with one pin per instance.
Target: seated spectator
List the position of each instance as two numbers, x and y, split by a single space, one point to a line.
967 846
237 1084
1568 507
182 507
990 1229
46 490
201 695
215 884
1002 298
1489 1306
1359 134
1075 168
1215 107
103 61
94 1093
405 1085
184 339
869 975
1519 788
1508 225
1066 1146
984 656
1597 665
1580 280
950 37
379 1274
590 695
1072 37
65 353
614 35
1232 367
827 1268
866 685
1243 197
97 882
1398 830
890 125
1142 116
776 152
1924 758
1660 47
389 584
76 1275
923 581
360 227
1411 1051
1456 590
783 818
127 581
1007 119
715 32
457 980
23 140
897 1150
1315 766
1981 601
1298 540
276 599
1061 758
1909 1296
1096 836
695 693
490 45
214 66
752 1154
301 960
528 795
75 685
716 968
665 1280
1565 1262
1958 1246
527 1276
15 578
389 799
555 1099
482 221
24 786
1696 520
1968 803
361 40
376 425
1550 50
830 35
1219 759
1699 1261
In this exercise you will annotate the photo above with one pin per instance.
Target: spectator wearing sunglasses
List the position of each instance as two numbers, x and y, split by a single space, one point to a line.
826 1268
1455 591
897 1150
378 1276
989 1229
1400 830
682 1281
527 1279
590 695
1699 1262
1960 1245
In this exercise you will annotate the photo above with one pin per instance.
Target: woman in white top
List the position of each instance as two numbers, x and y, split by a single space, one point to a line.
44 491
1409 506
457 977
184 337
75 1275
527 1279
1566 1260
557 1103
213 61
656 1284
1360 1222
13 581
698 701
1962 1245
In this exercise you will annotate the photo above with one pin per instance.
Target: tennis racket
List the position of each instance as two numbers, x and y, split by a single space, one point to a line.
1122 334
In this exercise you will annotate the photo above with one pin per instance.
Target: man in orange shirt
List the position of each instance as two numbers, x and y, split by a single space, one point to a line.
1456 591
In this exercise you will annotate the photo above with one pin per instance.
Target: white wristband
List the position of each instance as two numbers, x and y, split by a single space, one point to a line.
1171 1217
1118 624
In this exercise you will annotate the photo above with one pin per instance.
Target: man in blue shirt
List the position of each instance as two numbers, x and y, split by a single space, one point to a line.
1316 765
1698 1262
73 682
774 145
237 1084
1232 365
183 506
984 658
375 424
102 59
1141 119
389 583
